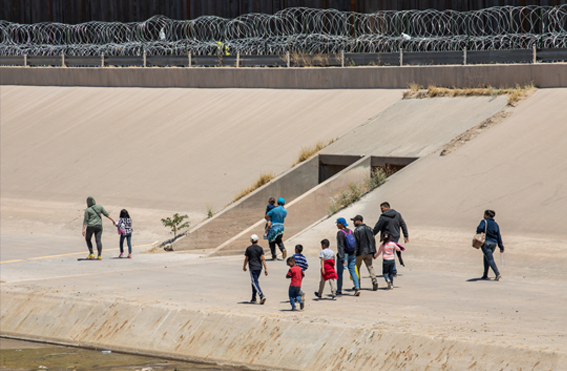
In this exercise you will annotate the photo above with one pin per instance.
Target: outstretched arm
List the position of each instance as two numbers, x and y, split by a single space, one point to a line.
379 226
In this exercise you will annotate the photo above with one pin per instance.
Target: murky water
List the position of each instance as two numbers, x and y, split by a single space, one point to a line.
24 355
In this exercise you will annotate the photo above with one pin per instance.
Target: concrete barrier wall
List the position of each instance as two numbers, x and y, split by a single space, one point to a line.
501 75
255 341
245 212
304 210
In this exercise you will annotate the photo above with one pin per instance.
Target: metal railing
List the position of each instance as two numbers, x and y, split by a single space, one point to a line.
400 58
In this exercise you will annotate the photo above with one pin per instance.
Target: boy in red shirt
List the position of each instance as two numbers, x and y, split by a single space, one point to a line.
296 275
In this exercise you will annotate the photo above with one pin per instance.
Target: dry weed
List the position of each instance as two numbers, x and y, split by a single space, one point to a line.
514 94
307 152
264 178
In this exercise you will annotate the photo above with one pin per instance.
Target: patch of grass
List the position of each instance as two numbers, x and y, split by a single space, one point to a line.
514 94
210 210
264 178
415 87
355 191
307 152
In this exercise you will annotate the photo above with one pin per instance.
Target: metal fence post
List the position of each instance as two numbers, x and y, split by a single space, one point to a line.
534 54
25 60
288 59
63 60
401 57
189 57
237 59
465 56
144 58
342 58
102 60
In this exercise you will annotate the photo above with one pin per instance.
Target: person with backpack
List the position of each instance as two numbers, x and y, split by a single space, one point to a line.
92 224
124 225
346 256
365 248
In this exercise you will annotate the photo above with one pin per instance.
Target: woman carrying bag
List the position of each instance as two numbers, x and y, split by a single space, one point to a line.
492 238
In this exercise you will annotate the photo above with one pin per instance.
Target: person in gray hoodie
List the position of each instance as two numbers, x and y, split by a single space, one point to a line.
391 221
92 224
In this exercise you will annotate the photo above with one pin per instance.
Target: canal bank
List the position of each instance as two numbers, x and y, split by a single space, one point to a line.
182 307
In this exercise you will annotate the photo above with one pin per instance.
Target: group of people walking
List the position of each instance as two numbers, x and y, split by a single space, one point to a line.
354 247
92 226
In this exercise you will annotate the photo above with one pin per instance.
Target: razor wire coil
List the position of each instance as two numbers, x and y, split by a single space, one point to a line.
297 30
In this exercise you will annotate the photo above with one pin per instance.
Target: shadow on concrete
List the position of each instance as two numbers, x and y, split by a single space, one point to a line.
478 279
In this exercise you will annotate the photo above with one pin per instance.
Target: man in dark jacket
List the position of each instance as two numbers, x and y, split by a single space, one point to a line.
365 248
391 221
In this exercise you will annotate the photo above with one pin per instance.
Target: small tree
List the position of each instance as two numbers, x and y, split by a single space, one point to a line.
176 223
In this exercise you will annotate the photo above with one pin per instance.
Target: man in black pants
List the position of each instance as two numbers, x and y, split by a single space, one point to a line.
92 224
391 221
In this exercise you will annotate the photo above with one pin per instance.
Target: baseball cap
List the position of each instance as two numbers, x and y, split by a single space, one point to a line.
254 238
358 217
281 201
342 221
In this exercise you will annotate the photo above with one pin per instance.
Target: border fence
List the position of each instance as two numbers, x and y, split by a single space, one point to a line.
298 60
298 37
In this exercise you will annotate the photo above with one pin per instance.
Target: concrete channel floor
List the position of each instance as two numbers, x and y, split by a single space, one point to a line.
440 302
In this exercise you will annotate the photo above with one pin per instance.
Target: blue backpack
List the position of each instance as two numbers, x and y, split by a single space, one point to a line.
350 242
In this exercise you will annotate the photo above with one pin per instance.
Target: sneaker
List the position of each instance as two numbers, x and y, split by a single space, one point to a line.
334 298
391 288
302 305
284 254
129 256
262 300
389 285
356 292
374 286
317 295
294 309
253 301
484 277
99 257
498 278
339 292
274 258
121 255
396 274
90 257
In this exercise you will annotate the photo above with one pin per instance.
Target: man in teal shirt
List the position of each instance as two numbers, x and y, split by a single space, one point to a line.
276 218
92 224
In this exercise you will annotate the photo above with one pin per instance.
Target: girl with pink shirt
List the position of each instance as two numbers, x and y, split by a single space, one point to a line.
387 250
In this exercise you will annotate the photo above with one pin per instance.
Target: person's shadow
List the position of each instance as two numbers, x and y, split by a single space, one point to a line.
477 279
247 303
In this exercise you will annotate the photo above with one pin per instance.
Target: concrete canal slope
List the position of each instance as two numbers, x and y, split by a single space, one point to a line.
179 305
517 168
157 151
407 130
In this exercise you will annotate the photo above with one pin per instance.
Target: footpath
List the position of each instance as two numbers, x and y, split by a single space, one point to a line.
186 307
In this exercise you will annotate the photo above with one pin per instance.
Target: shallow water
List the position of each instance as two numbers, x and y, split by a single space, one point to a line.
26 355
